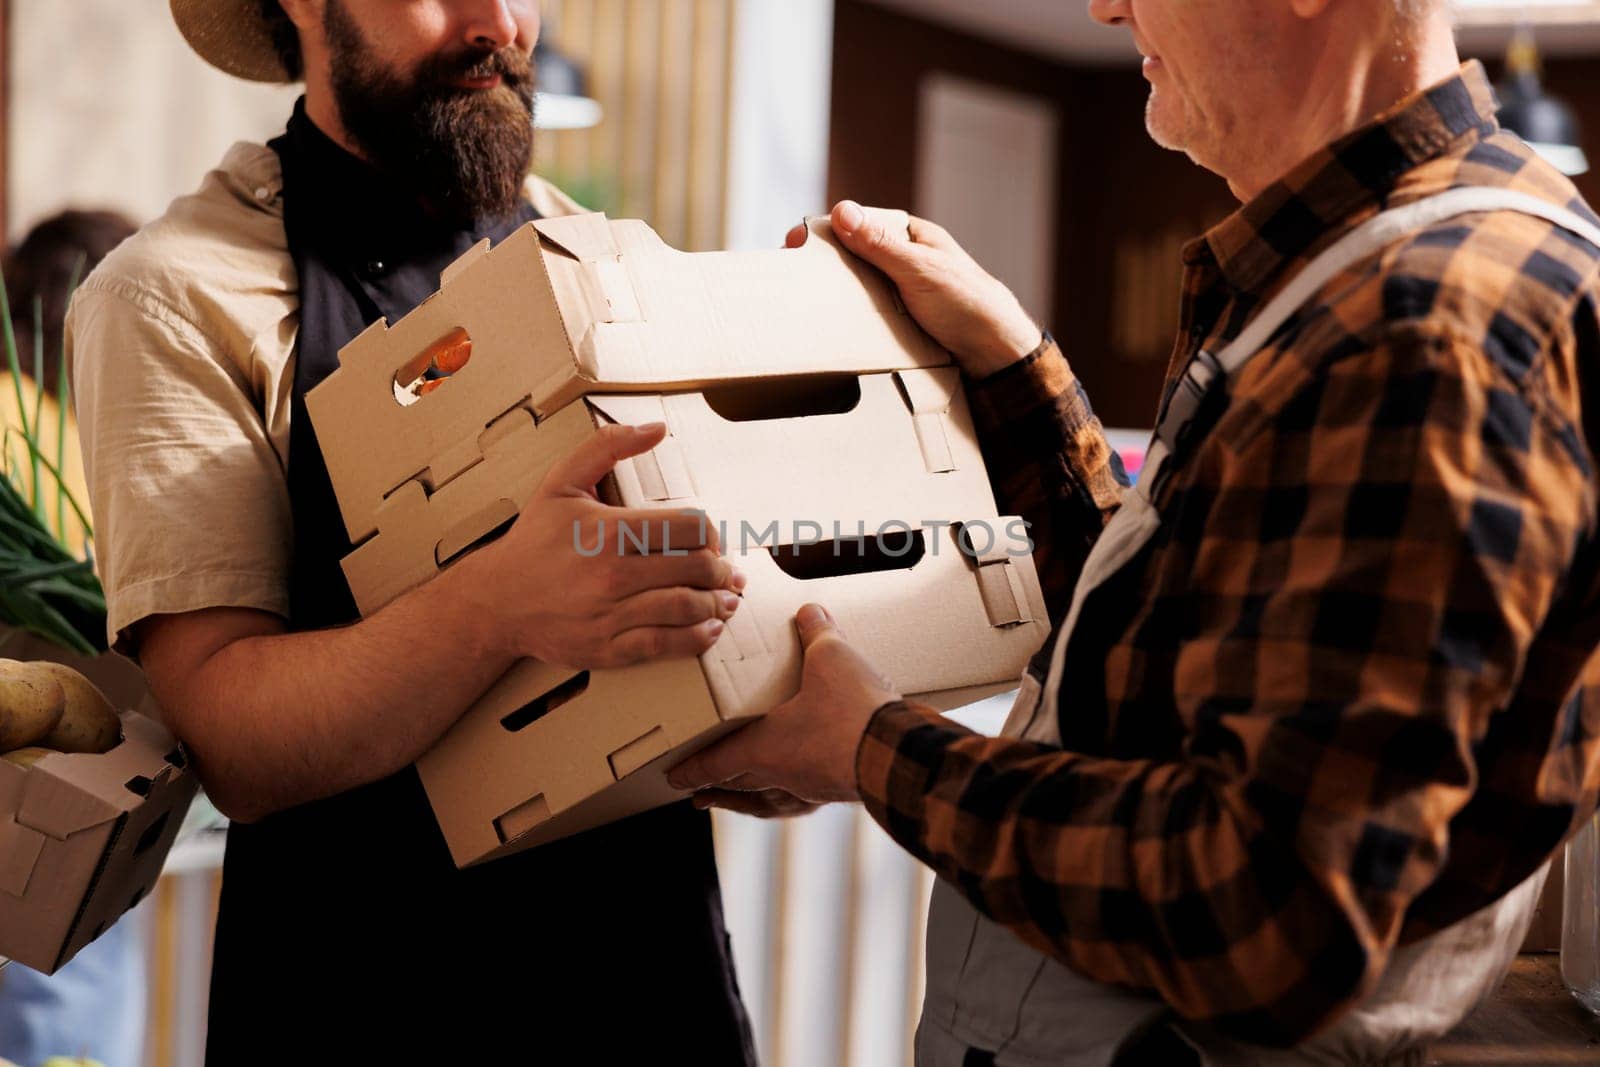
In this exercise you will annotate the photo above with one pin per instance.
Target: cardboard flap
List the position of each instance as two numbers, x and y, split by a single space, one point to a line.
630 409
466 532
929 390
934 440
617 301
741 640
462 262
1002 592
448 464
57 808
586 238
19 854
929 393
994 545
602 285
1000 580
663 472
653 314
663 475
65 794
639 752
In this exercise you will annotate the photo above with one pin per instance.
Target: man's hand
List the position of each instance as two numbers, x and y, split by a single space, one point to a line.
573 590
956 301
802 753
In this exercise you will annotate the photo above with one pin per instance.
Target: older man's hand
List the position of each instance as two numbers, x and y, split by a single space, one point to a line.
959 304
802 753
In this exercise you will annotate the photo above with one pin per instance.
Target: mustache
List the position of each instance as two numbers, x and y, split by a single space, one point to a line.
514 68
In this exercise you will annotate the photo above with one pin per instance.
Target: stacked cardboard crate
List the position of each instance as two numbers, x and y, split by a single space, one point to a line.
83 837
807 416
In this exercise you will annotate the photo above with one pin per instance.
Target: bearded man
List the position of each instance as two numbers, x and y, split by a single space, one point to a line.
345 931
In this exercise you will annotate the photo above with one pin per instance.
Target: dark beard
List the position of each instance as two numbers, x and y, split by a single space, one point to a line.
467 152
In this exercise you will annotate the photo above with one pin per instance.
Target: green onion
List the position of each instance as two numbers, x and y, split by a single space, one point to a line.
45 588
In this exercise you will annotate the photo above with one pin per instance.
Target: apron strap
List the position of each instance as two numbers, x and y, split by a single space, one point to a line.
1366 240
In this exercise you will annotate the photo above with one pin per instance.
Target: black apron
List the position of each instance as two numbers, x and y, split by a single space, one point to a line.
346 933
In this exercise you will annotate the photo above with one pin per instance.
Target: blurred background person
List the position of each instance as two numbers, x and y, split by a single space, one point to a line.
40 272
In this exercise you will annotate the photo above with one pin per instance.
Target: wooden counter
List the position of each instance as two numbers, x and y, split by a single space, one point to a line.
1531 1020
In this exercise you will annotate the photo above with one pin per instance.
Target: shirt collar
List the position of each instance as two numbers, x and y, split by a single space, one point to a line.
1349 176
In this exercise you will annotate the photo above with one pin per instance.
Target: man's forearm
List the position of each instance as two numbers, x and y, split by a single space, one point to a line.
278 720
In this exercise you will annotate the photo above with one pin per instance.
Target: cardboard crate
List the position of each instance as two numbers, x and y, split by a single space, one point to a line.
901 448
580 304
83 838
548 752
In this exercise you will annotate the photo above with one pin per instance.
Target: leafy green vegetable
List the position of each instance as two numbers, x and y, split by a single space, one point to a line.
45 588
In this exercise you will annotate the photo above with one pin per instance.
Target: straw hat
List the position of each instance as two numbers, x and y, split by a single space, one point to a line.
232 36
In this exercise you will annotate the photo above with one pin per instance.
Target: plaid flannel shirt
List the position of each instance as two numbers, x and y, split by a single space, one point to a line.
1347 695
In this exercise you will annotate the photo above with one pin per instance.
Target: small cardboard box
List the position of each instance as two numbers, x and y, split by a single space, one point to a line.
83 838
802 405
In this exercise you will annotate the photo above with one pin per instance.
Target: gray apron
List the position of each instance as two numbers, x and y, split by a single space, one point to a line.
988 991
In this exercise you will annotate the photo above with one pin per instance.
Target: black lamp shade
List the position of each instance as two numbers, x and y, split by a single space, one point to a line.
562 101
1547 124
1534 116
557 73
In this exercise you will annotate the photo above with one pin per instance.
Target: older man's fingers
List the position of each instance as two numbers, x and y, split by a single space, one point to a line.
880 237
931 234
766 804
813 622
745 783
721 763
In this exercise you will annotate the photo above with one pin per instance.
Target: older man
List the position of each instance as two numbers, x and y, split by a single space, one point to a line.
346 934
1322 699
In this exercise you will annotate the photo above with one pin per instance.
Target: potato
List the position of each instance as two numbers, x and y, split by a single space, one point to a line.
27 757
32 704
88 722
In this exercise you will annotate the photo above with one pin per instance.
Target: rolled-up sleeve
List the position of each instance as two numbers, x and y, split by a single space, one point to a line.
188 497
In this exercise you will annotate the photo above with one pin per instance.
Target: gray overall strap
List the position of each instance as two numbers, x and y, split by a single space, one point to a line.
1136 520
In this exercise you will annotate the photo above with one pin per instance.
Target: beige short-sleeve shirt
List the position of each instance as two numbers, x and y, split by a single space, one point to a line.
181 349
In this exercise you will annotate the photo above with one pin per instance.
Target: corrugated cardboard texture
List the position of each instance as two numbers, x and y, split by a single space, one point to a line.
580 304
85 837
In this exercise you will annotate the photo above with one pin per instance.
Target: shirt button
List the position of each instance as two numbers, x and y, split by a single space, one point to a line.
374 267
263 193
